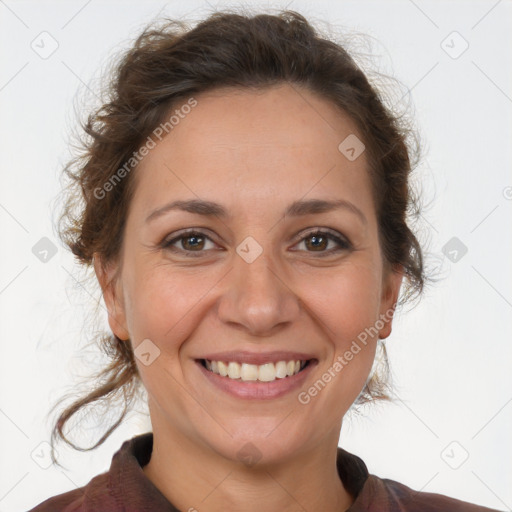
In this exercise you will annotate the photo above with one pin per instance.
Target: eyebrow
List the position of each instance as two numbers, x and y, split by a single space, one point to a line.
296 209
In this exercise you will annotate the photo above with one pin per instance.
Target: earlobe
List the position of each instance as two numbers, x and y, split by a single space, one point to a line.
390 293
113 297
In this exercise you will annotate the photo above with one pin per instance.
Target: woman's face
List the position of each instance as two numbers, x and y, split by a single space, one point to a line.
253 284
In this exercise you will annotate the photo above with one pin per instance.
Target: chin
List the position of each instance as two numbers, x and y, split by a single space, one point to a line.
260 444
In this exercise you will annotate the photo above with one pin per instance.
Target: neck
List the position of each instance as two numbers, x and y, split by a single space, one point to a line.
195 479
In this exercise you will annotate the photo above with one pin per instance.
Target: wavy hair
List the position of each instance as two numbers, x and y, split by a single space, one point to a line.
169 63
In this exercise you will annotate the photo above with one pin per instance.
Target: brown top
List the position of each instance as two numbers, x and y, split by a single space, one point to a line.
126 488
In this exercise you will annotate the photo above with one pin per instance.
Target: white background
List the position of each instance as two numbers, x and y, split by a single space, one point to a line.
451 355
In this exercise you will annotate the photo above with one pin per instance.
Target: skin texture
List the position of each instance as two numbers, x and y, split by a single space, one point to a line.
254 152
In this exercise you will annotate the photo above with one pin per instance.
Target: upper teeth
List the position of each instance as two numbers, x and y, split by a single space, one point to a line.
265 372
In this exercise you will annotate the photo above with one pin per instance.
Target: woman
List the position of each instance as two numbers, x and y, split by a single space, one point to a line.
244 208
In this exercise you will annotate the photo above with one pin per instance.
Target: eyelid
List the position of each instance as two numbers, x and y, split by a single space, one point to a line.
322 230
169 240
342 241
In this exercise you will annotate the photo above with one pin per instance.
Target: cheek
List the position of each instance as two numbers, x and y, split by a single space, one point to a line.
163 304
346 304
158 300
346 300
161 309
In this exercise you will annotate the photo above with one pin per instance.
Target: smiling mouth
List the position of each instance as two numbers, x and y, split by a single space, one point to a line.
267 372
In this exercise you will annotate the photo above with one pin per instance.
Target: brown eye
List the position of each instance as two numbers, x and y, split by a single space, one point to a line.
191 242
318 243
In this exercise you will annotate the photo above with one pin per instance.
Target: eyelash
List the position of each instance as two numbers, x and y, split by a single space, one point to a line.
343 243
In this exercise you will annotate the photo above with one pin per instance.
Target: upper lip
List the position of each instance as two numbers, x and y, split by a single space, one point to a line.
258 358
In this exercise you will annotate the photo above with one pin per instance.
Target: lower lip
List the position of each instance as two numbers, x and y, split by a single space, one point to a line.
255 390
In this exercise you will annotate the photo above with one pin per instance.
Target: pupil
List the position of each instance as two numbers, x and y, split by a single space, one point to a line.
194 240
317 241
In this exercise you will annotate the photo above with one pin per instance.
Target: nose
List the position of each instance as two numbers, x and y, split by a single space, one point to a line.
257 298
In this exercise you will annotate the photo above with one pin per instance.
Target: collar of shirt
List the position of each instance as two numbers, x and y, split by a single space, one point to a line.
129 489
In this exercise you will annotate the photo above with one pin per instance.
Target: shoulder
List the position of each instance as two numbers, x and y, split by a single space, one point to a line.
123 486
66 502
385 495
96 491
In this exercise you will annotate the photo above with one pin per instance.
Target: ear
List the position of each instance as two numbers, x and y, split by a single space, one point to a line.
108 278
390 290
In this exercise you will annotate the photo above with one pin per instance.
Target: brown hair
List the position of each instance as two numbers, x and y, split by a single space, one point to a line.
168 64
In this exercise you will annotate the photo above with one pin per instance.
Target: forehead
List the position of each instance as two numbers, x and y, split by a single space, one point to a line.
250 145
